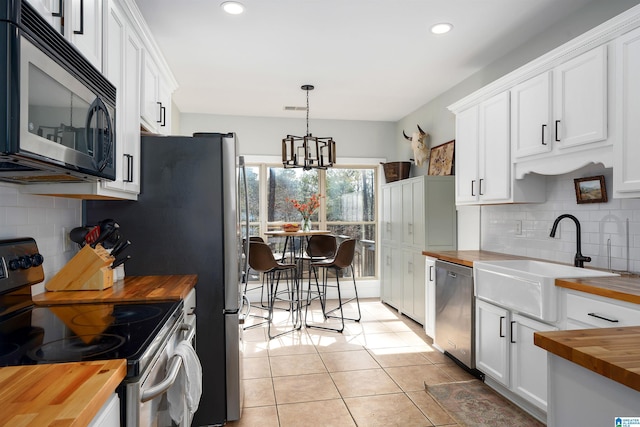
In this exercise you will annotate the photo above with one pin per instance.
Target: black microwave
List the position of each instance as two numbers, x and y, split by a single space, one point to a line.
57 111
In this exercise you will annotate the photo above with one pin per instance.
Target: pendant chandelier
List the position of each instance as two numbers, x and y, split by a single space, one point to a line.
308 152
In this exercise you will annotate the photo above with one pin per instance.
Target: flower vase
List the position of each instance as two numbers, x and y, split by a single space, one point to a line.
306 224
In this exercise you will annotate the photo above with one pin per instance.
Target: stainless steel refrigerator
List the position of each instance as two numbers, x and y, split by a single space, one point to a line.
190 218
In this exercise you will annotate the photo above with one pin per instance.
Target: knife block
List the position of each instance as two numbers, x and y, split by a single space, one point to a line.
89 269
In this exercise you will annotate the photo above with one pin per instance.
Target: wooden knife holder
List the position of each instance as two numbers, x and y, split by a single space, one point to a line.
89 269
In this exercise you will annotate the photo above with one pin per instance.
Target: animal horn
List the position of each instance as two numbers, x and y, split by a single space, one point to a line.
405 135
421 131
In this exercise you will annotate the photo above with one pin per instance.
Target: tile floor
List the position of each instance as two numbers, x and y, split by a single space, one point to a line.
372 374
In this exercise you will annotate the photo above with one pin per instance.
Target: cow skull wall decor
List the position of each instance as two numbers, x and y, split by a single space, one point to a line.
419 146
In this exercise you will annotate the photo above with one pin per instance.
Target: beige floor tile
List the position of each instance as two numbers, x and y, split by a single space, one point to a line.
256 367
384 340
364 383
257 334
430 408
297 364
412 378
400 356
297 342
456 372
255 349
348 360
365 327
258 392
304 388
438 357
325 413
386 410
325 341
413 337
263 416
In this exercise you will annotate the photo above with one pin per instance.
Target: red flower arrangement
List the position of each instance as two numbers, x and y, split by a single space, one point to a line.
308 207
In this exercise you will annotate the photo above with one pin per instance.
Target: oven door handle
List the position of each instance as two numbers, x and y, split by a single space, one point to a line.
174 368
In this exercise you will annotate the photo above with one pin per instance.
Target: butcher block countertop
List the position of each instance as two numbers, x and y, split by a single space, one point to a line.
469 257
60 395
611 352
131 289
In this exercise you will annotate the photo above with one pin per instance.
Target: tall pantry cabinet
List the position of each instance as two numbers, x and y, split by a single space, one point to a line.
417 214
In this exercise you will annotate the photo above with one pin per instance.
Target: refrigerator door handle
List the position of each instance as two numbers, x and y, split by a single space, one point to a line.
227 311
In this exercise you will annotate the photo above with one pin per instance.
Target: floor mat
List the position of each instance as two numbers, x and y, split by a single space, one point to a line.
473 403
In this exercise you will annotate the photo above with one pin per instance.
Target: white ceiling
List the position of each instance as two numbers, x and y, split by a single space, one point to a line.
368 59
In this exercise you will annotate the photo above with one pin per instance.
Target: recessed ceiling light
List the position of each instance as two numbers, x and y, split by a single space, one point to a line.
232 7
441 28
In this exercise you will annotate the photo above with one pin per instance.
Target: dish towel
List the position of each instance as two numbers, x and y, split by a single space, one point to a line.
188 384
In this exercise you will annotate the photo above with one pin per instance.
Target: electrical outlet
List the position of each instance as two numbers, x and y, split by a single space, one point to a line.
66 240
518 227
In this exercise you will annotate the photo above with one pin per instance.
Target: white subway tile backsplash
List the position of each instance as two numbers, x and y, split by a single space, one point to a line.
42 218
599 223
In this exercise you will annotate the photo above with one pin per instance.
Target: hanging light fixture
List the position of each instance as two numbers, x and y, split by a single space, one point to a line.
308 152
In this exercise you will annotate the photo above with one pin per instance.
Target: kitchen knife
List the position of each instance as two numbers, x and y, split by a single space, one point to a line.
121 246
117 262
104 235
92 236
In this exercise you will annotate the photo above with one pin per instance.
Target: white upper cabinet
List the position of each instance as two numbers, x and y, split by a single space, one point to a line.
531 115
155 101
561 112
79 21
483 157
626 173
580 99
83 27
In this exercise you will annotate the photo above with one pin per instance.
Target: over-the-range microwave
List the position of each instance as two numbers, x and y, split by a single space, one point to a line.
57 111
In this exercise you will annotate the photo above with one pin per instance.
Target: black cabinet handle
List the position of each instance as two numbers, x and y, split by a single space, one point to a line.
542 139
129 177
501 331
511 332
431 273
159 112
480 187
557 121
81 30
163 116
472 183
602 317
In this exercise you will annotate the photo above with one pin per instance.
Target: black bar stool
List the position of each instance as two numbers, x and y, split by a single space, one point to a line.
343 259
261 259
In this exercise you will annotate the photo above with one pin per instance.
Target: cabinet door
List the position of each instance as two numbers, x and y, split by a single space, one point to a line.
528 361
580 99
397 277
430 297
385 220
396 213
626 173
530 116
165 109
85 29
492 345
407 213
150 100
408 273
418 287
466 163
50 10
418 212
386 274
494 166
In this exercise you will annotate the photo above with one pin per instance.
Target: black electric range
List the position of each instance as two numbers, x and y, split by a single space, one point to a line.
77 332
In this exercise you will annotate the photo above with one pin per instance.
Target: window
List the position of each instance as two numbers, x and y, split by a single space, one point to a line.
348 207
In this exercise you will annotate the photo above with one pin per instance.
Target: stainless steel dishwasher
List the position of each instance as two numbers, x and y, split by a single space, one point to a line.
455 313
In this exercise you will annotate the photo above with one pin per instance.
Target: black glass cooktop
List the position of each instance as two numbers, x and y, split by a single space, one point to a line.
81 332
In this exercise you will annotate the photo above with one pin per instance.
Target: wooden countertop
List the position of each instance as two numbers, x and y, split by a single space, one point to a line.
131 289
469 257
622 288
62 394
611 352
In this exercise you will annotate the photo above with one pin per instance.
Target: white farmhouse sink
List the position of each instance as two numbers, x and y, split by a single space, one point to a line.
526 286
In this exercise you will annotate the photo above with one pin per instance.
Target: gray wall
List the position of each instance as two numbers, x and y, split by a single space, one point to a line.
262 136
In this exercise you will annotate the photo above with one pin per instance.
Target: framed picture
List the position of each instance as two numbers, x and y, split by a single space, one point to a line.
591 189
441 159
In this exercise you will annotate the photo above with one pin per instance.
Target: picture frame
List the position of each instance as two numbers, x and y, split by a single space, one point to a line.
442 158
591 189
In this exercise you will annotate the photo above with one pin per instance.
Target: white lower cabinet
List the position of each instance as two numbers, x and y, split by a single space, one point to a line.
109 414
430 297
505 352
